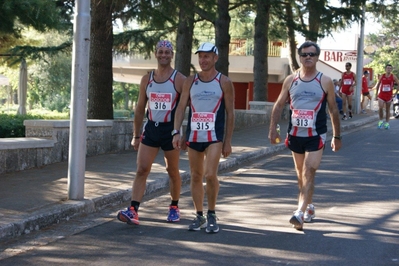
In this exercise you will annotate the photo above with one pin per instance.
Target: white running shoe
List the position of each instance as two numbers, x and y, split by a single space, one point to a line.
297 220
309 213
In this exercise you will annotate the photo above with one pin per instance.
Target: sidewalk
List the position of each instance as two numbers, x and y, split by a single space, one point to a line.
35 198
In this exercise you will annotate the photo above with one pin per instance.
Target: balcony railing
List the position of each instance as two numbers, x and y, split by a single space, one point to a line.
245 47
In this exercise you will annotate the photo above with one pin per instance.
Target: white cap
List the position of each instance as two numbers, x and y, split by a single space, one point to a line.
207 47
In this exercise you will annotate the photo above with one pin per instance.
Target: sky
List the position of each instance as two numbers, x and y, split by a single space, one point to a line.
347 40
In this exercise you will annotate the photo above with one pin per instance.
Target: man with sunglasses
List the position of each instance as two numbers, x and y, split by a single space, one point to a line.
308 92
347 89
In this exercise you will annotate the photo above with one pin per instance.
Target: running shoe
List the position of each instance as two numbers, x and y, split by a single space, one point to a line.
297 220
350 114
344 117
386 125
380 124
173 214
130 216
198 223
309 213
212 226
364 111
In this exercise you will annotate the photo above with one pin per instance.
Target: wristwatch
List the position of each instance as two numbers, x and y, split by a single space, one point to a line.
175 132
338 137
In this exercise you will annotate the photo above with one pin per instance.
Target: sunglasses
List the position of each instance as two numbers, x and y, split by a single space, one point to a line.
308 54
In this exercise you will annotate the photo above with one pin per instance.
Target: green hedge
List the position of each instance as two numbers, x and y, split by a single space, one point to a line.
12 126
122 113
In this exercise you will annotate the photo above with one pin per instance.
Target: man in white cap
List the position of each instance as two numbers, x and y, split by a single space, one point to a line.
210 95
160 92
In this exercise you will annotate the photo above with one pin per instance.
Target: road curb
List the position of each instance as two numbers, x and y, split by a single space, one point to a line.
66 210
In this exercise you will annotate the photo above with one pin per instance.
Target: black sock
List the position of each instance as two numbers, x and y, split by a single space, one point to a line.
174 203
211 212
201 213
135 205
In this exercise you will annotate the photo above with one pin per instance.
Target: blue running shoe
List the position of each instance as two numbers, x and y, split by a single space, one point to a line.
386 125
380 124
212 226
129 216
173 214
198 223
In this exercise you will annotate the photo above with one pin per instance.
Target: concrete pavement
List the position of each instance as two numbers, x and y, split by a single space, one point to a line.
33 199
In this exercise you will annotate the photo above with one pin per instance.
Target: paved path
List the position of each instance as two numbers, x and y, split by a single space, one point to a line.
33 199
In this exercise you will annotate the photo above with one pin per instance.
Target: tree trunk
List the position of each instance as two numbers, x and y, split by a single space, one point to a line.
315 13
222 25
184 39
100 70
261 48
125 87
291 38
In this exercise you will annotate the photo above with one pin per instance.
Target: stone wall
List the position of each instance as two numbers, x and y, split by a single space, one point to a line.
47 141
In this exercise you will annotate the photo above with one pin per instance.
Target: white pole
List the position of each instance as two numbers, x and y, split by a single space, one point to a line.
359 67
80 80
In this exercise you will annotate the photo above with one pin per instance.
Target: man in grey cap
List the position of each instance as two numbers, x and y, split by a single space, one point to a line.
210 95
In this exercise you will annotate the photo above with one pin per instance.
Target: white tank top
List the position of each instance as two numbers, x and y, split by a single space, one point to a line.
308 101
207 111
162 99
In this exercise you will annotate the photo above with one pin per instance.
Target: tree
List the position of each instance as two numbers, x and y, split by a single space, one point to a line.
100 65
154 14
39 14
261 45
385 43
322 18
184 39
222 25
125 95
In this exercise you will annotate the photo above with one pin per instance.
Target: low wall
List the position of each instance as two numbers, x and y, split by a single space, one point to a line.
47 141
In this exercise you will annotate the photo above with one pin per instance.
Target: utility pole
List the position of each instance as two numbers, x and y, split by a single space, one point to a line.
80 81
359 63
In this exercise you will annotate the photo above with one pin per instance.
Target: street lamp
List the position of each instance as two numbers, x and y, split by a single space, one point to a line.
359 62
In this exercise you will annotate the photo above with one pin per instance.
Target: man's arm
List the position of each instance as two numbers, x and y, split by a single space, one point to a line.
376 87
179 81
139 112
354 79
396 79
228 94
333 110
180 111
278 109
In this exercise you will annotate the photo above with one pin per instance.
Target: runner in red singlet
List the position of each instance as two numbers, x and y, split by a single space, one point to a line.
365 90
347 89
384 93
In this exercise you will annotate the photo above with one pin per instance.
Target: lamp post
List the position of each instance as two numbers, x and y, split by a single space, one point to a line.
80 81
359 64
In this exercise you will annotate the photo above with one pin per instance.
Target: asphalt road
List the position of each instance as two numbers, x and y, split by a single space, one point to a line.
357 218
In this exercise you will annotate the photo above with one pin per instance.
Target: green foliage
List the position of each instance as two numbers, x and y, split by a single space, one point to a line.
39 14
385 43
124 95
123 113
12 126
49 79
